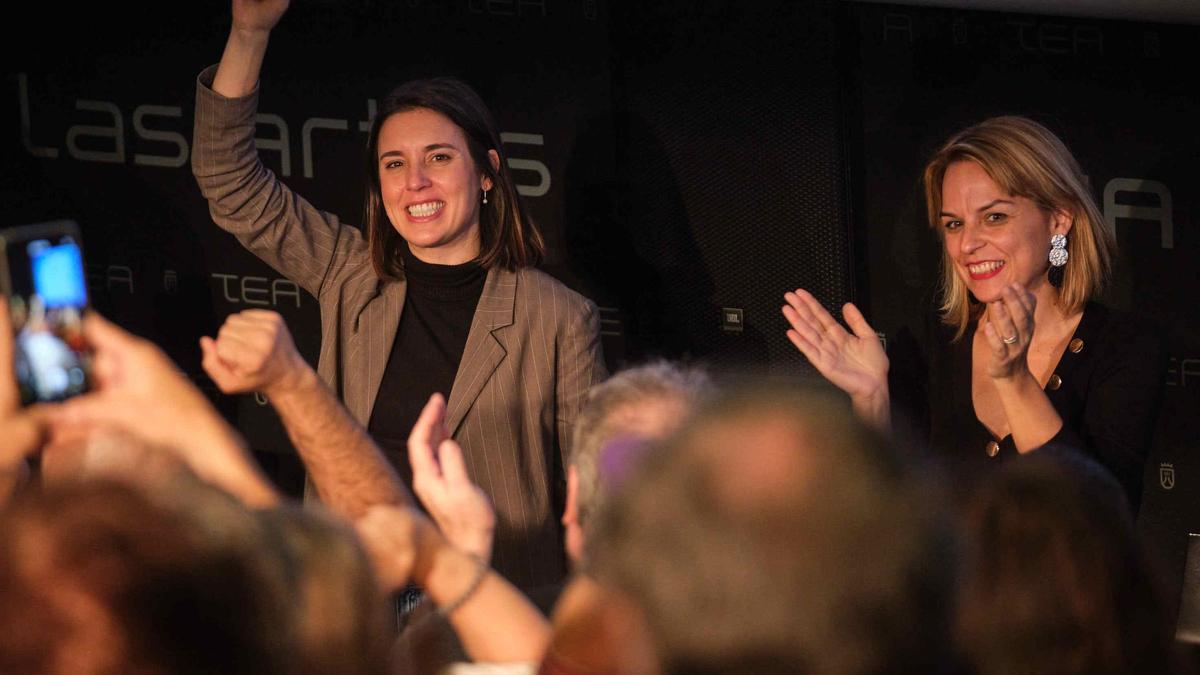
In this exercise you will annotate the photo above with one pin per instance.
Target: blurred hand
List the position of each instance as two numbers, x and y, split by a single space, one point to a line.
138 389
253 352
399 543
21 431
460 509
856 364
258 15
1011 318
140 392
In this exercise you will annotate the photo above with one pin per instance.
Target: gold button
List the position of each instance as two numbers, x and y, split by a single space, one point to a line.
993 448
1076 346
1054 383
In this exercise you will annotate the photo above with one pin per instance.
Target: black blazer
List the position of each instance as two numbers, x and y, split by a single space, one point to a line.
1107 387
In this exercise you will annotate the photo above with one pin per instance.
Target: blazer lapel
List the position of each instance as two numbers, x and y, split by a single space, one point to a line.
378 323
484 350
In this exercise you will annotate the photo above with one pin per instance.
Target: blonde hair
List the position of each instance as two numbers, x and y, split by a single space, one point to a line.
1026 160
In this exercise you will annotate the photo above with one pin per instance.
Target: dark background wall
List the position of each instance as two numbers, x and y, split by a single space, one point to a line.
687 162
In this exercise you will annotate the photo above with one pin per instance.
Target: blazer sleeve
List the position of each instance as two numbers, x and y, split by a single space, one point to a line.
580 364
1122 403
247 199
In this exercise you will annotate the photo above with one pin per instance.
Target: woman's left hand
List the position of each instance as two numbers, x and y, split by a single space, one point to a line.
1008 329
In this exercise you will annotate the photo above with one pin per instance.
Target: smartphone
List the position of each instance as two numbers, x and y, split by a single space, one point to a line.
43 276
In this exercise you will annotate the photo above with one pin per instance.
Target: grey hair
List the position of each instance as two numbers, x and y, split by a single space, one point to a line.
598 423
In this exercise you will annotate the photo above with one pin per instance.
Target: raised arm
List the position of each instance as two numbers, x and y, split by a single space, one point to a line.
245 198
853 362
237 74
254 352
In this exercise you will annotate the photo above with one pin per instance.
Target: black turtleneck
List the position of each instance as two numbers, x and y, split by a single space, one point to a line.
438 308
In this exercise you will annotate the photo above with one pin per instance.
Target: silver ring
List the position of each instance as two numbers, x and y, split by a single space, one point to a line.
1010 340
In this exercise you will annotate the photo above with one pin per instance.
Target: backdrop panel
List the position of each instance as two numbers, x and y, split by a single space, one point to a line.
730 179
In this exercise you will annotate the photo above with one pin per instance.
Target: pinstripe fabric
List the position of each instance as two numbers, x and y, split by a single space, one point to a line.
532 352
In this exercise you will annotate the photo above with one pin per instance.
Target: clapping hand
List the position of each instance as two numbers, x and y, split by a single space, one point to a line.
1008 329
855 363
460 509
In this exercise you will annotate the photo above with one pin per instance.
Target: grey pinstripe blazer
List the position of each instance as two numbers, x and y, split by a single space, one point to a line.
532 353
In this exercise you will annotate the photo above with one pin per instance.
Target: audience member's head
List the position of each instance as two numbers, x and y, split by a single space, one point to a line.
338 613
633 406
1055 580
97 578
110 455
776 533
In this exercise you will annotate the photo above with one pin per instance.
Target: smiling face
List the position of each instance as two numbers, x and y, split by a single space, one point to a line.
992 238
430 186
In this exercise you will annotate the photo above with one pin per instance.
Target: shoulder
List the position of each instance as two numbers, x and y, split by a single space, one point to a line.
540 292
533 280
1117 329
1121 338
354 285
543 303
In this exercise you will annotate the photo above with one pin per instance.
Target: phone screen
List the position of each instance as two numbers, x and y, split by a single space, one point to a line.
47 298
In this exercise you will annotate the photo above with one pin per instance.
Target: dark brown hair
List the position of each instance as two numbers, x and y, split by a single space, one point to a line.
340 620
508 238
95 563
1056 579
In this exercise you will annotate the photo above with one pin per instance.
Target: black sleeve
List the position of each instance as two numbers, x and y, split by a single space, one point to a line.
1122 405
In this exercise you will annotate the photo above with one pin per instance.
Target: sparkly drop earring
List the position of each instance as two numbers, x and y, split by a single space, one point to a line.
485 196
1058 259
